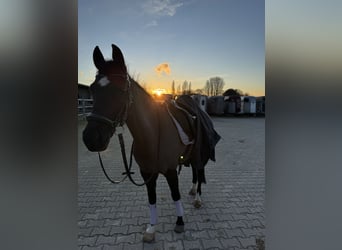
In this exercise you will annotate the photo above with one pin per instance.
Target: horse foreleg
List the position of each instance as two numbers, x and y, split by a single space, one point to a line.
149 234
179 228
172 180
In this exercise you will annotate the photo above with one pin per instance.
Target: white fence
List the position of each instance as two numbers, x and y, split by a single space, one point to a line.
84 106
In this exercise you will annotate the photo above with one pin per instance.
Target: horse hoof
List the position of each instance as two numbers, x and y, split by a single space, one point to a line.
179 228
192 192
148 237
197 204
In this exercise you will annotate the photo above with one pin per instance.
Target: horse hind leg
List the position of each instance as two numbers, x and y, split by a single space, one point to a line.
201 179
172 180
149 234
193 189
198 201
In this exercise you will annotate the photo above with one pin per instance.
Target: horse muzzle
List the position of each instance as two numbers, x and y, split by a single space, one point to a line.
95 138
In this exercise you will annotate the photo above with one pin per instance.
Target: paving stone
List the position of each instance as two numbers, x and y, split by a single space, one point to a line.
124 215
101 230
95 223
88 210
92 248
240 217
205 225
231 233
217 233
212 243
113 247
168 227
106 215
101 240
192 226
114 222
130 238
129 221
154 246
165 236
85 231
256 223
230 243
82 223
177 245
198 235
143 220
139 213
247 242
221 225
192 245
237 224
136 246
136 229
86 240
166 219
119 230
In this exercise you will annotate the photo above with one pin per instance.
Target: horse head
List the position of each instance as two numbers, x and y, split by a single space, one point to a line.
112 97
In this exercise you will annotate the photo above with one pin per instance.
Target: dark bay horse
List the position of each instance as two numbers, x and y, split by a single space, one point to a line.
118 99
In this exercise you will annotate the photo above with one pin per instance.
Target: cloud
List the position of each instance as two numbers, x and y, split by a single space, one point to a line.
163 67
162 7
151 24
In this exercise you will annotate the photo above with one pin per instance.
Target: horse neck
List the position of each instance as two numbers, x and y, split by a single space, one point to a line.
142 119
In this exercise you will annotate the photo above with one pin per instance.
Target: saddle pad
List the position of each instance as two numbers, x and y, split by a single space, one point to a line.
185 137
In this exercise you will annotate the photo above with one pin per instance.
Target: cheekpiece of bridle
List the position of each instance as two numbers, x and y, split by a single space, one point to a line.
121 117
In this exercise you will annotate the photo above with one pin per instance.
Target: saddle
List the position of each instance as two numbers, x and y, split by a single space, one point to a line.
183 120
196 129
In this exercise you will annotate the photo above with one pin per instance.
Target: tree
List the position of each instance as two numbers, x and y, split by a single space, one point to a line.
173 88
214 86
185 87
239 91
207 88
231 92
217 85
179 89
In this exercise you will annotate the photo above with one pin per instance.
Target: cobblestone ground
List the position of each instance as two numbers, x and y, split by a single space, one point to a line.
232 216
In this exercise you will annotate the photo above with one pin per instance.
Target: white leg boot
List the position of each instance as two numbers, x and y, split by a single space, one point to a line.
149 234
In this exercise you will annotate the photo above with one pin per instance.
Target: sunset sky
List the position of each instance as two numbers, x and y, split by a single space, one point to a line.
166 40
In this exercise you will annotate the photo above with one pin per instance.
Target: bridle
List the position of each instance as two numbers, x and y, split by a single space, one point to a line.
121 117
119 121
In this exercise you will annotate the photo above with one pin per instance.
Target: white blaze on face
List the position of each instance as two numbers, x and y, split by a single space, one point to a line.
104 81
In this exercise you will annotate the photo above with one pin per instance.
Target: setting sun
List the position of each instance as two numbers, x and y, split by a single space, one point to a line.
159 92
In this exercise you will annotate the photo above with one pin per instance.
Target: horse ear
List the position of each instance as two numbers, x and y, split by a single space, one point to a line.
98 58
118 56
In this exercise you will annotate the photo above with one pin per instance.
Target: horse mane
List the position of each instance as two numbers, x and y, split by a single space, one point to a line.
139 87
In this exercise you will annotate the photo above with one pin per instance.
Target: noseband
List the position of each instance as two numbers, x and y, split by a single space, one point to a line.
121 117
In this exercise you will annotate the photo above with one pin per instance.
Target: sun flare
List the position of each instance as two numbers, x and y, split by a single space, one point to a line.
159 92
